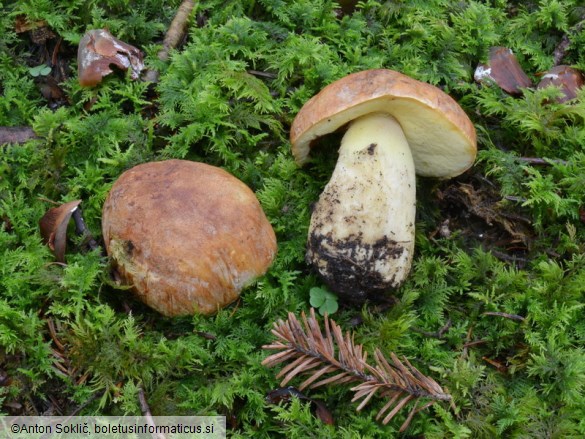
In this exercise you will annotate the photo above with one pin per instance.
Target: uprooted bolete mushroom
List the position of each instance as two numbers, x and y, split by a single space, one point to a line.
98 51
361 235
186 236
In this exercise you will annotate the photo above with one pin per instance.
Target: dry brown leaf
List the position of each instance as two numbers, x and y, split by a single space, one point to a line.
98 51
504 69
23 24
568 79
53 227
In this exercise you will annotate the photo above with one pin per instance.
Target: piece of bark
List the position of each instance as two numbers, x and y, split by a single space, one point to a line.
145 409
16 135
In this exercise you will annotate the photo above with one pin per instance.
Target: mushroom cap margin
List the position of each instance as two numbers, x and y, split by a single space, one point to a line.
441 136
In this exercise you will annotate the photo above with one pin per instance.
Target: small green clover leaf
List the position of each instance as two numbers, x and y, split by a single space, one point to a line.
42 70
325 301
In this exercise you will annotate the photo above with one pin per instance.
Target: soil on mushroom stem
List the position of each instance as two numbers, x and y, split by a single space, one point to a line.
355 282
468 205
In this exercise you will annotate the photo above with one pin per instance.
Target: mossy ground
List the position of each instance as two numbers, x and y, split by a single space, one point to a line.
506 237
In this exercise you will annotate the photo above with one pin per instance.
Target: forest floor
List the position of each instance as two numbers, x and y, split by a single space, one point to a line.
492 310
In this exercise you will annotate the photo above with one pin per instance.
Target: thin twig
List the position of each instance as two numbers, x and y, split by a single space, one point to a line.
515 217
145 409
267 75
505 257
82 230
505 315
174 36
79 408
177 29
46 200
437 334
541 162
499 366
53 333
474 343
56 51
467 340
515 199
206 335
561 49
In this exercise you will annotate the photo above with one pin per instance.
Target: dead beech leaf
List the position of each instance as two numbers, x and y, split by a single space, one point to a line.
504 69
53 227
98 51
22 24
39 30
322 412
568 79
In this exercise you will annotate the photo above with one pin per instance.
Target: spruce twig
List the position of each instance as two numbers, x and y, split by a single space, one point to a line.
330 356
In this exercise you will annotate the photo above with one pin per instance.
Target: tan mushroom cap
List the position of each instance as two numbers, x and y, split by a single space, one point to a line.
442 139
187 236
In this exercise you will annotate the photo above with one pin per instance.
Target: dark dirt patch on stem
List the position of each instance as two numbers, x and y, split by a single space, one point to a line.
348 266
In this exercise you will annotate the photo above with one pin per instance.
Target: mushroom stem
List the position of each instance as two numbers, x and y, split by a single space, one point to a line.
361 236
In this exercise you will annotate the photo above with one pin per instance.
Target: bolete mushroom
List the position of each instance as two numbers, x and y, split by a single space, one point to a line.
186 236
361 234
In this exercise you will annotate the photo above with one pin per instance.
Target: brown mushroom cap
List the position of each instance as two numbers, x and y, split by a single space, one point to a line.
441 137
186 236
